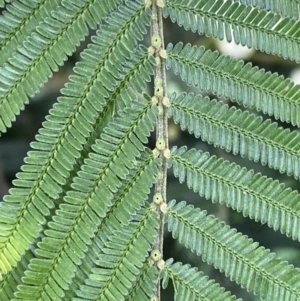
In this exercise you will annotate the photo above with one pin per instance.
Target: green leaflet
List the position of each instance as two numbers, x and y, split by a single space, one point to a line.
121 260
69 235
43 52
129 198
254 195
26 16
255 268
66 130
289 8
190 284
243 24
238 132
78 225
228 77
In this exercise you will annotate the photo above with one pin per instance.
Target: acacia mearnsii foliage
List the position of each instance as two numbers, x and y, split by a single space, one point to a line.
87 214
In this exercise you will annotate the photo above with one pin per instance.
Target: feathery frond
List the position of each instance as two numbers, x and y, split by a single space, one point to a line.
122 259
238 132
254 195
128 200
67 240
247 85
255 268
66 131
190 284
245 25
42 53
19 20
289 8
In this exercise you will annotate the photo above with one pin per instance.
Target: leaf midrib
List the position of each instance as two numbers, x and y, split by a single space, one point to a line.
242 258
238 130
226 181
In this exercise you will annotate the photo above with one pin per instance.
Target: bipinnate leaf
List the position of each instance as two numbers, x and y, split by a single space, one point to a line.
241 259
191 284
241 23
238 132
225 76
255 195
121 263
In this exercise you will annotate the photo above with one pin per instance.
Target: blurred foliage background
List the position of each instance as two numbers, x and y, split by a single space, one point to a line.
15 143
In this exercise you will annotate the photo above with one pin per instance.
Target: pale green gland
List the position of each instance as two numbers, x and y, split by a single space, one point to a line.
167 153
163 207
157 199
161 264
155 255
154 100
166 101
156 153
151 50
160 144
156 41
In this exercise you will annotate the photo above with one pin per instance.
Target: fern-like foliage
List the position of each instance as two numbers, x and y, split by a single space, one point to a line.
85 218
255 268
190 284
26 16
286 8
238 132
254 195
122 260
245 25
247 85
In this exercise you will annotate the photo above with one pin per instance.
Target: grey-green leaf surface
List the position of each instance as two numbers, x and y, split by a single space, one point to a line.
224 76
255 195
238 132
241 259
242 24
191 284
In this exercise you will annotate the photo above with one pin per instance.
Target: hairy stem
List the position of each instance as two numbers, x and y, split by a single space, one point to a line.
160 97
